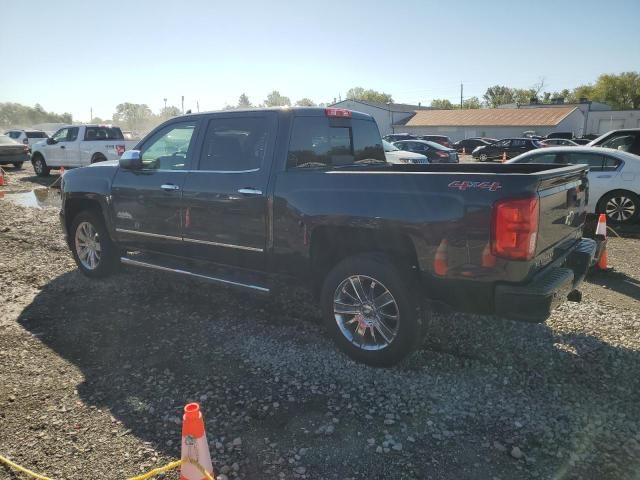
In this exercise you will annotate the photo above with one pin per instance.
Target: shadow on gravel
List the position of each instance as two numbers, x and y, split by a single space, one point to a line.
44 181
148 343
617 281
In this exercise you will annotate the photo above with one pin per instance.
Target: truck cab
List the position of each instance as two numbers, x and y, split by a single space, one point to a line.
77 146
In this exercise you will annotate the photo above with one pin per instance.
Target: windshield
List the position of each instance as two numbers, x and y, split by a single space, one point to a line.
388 147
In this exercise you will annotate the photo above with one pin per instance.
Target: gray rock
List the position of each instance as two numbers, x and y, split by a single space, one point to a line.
517 453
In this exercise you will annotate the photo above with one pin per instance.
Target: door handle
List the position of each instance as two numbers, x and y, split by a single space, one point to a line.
168 187
61 146
603 176
250 191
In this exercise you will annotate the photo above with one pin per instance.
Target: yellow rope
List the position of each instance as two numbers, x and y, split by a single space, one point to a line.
15 466
156 471
144 476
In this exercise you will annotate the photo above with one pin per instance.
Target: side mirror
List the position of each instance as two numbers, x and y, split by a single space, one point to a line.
50 141
131 160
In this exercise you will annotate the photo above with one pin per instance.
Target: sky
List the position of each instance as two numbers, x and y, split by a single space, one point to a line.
71 56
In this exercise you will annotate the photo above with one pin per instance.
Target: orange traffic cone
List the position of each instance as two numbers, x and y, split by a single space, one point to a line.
440 261
488 260
3 181
504 157
195 449
464 151
601 234
62 171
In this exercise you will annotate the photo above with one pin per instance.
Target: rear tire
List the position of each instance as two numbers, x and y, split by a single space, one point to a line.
40 166
382 324
621 207
17 165
92 248
483 157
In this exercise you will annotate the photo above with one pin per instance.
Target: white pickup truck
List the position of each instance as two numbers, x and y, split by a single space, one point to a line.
78 146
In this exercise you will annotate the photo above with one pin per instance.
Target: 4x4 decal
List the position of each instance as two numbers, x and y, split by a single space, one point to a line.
465 184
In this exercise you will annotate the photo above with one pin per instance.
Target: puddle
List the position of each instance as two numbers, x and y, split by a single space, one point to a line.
36 198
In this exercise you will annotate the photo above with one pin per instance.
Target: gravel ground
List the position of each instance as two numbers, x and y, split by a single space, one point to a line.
95 373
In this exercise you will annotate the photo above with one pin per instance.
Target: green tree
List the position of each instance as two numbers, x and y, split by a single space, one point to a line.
17 115
359 93
168 112
274 99
134 116
243 102
472 103
305 102
441 104
498 95
620 91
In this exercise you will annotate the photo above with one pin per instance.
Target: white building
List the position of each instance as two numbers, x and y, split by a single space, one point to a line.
385 114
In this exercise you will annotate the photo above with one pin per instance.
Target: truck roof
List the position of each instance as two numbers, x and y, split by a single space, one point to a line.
295 111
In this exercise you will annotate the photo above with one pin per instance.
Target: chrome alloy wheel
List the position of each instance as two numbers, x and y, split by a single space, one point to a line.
88 246
38 167
620 208
366 312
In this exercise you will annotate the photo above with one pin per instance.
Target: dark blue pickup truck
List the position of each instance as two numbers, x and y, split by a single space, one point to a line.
262 199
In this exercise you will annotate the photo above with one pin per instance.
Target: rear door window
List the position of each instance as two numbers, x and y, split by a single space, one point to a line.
318 142
72 134
544 158
594 161
611 164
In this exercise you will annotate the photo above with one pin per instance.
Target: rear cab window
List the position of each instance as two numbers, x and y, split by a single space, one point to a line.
322 142
36 135
103 133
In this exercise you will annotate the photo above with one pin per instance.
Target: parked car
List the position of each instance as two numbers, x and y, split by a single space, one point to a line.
12 152
627 140
394 137
27 137
581 141
558 142
394 155
312 202
614 178
511 146
77 146
435 152
565 135
470 144
441 139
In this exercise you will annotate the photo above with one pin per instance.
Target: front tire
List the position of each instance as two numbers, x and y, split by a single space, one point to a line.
40 166
484 157
370 310
621 207
92 248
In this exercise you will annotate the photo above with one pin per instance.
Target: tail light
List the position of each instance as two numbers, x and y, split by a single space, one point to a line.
120 149
515 228
337 112
442 154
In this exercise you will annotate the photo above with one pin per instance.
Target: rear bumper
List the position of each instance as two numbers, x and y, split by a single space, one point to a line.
14 158
534 301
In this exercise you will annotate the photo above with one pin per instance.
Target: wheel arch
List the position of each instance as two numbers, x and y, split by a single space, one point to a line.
332 244
74 205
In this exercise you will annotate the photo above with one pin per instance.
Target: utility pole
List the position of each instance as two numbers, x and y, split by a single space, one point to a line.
461 87
91 119
183 104
198 105
165 105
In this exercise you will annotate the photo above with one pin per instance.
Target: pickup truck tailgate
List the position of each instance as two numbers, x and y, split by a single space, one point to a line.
562 211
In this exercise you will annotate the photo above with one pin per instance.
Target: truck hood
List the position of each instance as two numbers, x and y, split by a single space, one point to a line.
108 163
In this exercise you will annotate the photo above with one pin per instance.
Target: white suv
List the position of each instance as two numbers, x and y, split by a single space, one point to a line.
27 137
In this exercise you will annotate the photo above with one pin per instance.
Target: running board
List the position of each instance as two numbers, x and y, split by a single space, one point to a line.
223 281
